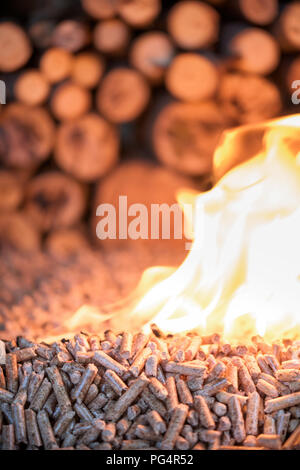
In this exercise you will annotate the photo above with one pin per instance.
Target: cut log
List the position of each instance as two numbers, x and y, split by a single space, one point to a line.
15 48
11 191
71 35
26 136
87 69
248 98
111 36
192 77
100 9
193 25
32 88
151 53
255 51
87 148
185 136
287 29
123 95
56 64
65 244
54 200
41 32
70 101
259 12
139 13
145 184
17 232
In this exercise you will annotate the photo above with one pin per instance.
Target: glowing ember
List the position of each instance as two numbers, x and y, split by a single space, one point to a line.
242 275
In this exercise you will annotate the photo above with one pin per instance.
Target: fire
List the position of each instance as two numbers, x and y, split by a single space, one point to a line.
242 275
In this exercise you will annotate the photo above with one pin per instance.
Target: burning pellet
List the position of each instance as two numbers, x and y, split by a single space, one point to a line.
106 361
46 431
25 354
291 364
269 441
252 366
162 347
33 433
205 416
126 345
34 384
133 412
263 365
217 371
224 397
94 342
91 394
83 412
156 422
127 399
282 402
272 362
287 375
12 372
6 396
192 348
282 424
185 368
184 393
245 379
18 416
224 424
232 377
181 443
63 422
139 362
158 389
41 395
175 426
8 437
115 382
219 409
122 426
154 403
135 444
86 380
98 402
251 423
214 387
151 365
236 416
59 389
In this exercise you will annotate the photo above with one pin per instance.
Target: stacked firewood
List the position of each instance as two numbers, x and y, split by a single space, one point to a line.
146 391
130 78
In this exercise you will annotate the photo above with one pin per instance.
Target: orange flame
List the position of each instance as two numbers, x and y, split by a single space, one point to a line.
242 275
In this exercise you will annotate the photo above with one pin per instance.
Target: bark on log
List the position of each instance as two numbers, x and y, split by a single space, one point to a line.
123 95
15 48
193 25
259 12
185 136
248 98
54 200
151 53
18 233
111 36
70 101
56 64
41 32
87 148
192 77
32 88
87 69
26 136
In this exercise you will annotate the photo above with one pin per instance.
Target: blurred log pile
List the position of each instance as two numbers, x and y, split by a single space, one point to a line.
92 84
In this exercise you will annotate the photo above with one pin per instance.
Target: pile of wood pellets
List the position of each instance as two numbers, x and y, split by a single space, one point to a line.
149 391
